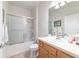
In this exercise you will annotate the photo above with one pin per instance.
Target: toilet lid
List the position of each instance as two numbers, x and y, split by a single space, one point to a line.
34 46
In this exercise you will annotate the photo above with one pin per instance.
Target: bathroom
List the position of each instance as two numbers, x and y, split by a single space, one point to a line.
40 23
20 29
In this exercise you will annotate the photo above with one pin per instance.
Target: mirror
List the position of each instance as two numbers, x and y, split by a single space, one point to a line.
69 16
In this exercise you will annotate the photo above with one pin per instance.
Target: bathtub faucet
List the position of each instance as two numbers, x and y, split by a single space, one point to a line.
2 44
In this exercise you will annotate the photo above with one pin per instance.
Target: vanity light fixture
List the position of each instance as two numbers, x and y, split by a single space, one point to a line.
62 3
68 1
57 6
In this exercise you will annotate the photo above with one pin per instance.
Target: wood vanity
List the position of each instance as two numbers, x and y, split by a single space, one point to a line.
47 51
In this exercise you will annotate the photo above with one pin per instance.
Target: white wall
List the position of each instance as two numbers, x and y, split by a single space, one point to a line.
18 11
40 21
35 21
1 28
43 18
5 6
60 13
1 23
40 14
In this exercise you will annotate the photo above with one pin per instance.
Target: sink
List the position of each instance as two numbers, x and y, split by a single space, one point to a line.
59 41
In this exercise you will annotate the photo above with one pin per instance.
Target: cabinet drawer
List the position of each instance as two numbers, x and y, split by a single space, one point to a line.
50 49
61 54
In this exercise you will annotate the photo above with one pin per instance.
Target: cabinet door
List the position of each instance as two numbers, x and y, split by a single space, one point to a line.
43 53
51 50
62 55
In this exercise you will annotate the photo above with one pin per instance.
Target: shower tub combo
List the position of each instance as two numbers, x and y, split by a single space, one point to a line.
20 36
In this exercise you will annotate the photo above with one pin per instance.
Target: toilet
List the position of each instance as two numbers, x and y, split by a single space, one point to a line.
33 50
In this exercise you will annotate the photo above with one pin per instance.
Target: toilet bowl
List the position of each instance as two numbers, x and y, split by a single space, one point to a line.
33 50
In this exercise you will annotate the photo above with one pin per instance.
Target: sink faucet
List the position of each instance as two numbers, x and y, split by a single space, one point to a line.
57 34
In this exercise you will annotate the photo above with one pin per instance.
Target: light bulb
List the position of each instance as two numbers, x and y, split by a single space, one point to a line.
68 1
62 3
57 6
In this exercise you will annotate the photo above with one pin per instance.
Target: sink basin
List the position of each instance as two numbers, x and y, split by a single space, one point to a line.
60 41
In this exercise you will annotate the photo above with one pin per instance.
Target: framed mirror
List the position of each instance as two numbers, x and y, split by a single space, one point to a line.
65 19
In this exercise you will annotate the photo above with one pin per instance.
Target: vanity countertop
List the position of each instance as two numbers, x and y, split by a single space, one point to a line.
62 44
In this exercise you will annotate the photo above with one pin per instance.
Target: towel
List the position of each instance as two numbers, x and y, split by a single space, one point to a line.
1 33
5 34
71 39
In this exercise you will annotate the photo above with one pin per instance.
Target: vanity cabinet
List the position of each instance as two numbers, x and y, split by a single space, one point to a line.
42 52
61 54
47 51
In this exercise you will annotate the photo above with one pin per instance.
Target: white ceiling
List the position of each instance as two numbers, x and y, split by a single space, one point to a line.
24 4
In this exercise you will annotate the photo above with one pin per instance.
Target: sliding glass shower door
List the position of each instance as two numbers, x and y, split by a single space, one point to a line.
20 29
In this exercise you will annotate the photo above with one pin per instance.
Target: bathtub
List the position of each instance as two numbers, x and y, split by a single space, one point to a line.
11 50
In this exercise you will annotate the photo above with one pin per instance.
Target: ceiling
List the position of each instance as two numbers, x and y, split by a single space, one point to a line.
24 4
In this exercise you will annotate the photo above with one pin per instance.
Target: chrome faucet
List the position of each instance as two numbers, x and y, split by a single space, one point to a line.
2 44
